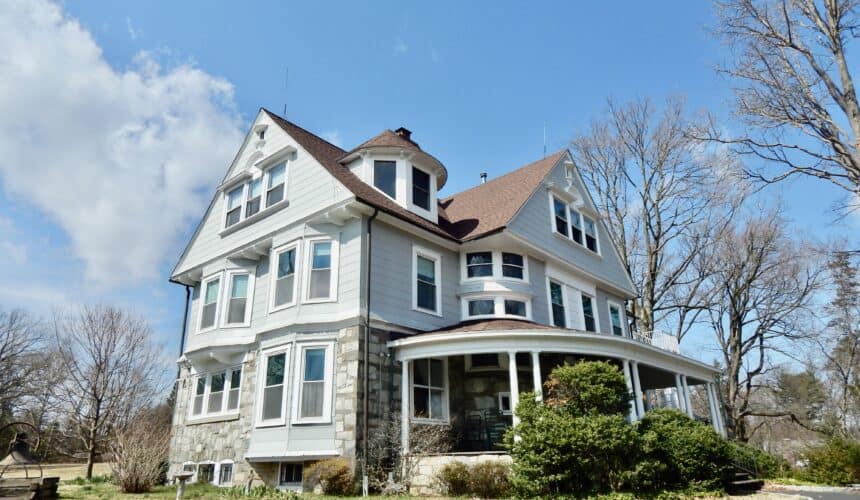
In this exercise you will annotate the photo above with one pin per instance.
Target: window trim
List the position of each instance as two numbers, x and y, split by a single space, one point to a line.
621 317
267 174
582 214
204 283
335 265
497 266
446 411
298 381
264 167
437 266
549 281
273 268
261 380
244 187
228 386
498 306
249 299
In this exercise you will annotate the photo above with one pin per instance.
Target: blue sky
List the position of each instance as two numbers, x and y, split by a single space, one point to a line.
474 81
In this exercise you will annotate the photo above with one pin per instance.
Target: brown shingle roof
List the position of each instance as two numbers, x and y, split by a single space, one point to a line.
388 139
467 215
494 324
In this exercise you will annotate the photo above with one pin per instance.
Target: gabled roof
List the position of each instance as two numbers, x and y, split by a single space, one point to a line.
468 215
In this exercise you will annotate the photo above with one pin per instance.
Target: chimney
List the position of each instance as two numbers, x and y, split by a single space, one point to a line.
404 133
483 177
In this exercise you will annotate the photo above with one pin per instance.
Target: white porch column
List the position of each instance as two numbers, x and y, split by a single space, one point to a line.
718 415
536 378
637 389
515 385
687 404
626 364
712 407
679 393
405 406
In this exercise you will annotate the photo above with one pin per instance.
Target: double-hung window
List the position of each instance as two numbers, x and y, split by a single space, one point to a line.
235 387
515 308
225 474
216 393
615 319
385 177
420 188
426 267
238 308
576 226
588 313
322 272
209 304
284 286
314 383
276 184
590 233
429 389
556 299
512 265
560 211
255 195
479 264
234 206
273 378
199 395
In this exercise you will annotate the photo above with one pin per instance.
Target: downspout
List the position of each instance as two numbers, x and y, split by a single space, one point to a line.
184 327
366 353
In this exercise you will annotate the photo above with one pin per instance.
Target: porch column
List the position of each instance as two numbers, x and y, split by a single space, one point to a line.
712 407
687 404
637 388
718 415
679 393
632 413
536 378
405 405
515 386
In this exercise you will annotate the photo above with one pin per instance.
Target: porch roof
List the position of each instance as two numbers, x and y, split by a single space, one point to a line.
484 325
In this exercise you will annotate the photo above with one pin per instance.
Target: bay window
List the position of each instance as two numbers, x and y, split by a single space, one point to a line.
235 386
314 376
238 307
275 187
499 307
482 307
209 303
429 389
284 286
515 308
479 264
322 275
216 393
199 394
556 299
512 265
385 177
272 407
426 292
420 188
588 313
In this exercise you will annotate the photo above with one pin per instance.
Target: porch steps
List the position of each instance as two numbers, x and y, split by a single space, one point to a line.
744 482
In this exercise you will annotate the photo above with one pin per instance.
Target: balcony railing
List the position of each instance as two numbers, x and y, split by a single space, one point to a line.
660 339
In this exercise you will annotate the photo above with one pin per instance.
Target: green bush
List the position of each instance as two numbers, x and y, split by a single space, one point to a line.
768 466
588 388
491 479
334 476
835 462
556 453
694 454
453 479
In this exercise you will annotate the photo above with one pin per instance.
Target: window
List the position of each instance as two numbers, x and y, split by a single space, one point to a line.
284 289
216 393
505 403
272 409
588 313
482 307
211 289
590 233
576 226
560 210
615 320
385 177
320 280
512 265
237 307
479 264
313 384
421 188
199 394
255 191
235 386
428 389
426 269
275 187
234 206
205 473
290 474
225 474
189 467
556 299
515 308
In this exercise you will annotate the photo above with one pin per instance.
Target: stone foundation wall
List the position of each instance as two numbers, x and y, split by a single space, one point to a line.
424 478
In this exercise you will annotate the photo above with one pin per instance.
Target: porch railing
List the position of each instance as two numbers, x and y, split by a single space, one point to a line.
660 339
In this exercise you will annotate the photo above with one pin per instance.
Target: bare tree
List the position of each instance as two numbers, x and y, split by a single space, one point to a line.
113 369
21 356
797 94
762 283
664 197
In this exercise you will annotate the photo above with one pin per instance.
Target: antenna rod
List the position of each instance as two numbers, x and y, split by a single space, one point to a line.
286 83
544 139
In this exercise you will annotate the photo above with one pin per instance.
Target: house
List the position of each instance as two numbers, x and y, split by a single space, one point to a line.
327 289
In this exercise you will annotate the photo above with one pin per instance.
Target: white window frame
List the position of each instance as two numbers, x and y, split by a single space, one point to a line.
193 478
621 316
214 470
228 386
273 270
430 211
446 412
497 266
397 168
549 280
335 264
202 298
232 472
264 170
247 197
498 306
298 382
244 187
585 234
594 310
437 266
249 300
261 381
581 215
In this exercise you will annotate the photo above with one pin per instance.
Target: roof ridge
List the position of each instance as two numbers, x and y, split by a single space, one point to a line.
501 177
293 124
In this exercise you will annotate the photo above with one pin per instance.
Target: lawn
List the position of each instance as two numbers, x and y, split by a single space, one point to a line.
105 491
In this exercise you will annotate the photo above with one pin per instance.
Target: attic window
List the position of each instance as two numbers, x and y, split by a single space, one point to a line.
421 188
385 177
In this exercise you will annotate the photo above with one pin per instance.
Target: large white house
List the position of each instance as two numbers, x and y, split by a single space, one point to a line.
329 288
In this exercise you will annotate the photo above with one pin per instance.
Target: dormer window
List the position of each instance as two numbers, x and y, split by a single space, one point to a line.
385 177
246 200
275 187
234 206
421 188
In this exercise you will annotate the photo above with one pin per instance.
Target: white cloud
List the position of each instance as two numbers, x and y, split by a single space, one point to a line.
400 46
122 161
332 136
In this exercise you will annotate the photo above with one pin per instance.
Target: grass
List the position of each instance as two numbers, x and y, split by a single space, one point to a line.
790 481
81 490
